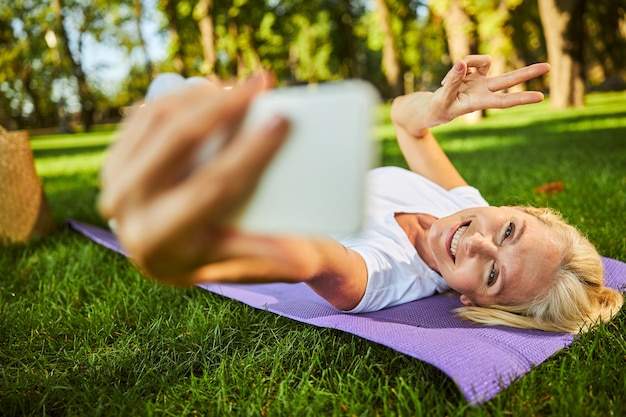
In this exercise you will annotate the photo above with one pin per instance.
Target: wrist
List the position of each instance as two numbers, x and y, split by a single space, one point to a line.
411 113
421 133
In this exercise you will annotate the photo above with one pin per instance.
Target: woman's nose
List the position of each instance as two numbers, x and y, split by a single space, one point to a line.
479 245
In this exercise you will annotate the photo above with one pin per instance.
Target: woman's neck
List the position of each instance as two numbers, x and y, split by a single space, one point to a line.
417 226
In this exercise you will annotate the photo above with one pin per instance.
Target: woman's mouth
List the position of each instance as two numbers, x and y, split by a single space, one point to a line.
454 240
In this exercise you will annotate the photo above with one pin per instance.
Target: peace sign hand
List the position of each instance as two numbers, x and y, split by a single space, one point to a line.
466 88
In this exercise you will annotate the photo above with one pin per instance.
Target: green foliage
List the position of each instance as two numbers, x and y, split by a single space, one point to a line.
424 50
84 334
527 34
601 20
28 67
300 41
311 49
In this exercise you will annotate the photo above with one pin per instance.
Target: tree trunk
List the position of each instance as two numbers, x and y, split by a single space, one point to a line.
138 10
461 37
495 36
172 26
204 11
459 28
391 61
84 91
349 61
562 25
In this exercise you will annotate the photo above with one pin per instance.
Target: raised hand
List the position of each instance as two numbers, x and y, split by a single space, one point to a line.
466 88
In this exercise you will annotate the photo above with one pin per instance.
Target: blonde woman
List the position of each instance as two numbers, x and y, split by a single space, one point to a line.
426 230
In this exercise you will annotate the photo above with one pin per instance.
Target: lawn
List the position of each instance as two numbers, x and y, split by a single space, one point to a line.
82 333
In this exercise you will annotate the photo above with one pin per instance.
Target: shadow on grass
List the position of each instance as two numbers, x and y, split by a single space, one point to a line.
531 144
73 150
555 126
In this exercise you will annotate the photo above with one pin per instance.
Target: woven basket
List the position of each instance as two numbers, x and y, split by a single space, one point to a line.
24 210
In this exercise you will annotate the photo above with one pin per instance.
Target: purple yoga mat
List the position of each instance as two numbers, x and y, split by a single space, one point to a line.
481 360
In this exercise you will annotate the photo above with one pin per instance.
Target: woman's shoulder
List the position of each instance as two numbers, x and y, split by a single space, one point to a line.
404 184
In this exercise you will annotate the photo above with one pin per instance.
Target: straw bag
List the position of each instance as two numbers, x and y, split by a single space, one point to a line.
24 210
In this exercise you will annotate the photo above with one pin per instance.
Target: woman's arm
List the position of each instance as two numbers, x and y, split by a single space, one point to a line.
173 216
466 88
336 273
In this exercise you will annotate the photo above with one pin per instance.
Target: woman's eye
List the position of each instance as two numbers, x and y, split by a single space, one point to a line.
492 277
509 230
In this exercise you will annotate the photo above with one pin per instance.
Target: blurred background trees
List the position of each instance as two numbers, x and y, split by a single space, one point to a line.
399 45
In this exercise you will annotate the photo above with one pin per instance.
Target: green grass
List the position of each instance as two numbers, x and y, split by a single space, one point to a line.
81 333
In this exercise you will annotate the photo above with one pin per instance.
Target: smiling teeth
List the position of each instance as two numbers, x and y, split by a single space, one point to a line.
455 239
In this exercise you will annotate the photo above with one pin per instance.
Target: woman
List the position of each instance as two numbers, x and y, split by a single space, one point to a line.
426 230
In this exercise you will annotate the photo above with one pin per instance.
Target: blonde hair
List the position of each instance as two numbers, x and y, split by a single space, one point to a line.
577 299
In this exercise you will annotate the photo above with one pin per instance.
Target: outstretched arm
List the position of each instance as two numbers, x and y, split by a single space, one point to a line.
173 216
466 88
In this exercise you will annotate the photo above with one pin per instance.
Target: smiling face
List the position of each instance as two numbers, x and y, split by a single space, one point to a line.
494 255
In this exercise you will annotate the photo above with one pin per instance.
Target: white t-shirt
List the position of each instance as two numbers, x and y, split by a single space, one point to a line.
396 273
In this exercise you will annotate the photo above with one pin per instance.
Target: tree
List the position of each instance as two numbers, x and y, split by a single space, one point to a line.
494 31
563 29
174 27
460 27
203 13
605 30
424 50
310 53
84 90
28 66
527 34
138 17
346 14
304 41
391 56
78 24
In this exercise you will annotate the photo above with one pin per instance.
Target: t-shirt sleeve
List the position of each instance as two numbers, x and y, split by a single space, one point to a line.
468 196
392 282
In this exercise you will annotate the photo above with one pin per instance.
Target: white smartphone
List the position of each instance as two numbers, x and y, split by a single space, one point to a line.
315 183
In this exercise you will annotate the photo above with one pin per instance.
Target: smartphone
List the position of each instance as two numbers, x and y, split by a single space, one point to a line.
315 183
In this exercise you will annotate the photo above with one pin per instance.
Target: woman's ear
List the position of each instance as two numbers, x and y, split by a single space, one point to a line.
466 301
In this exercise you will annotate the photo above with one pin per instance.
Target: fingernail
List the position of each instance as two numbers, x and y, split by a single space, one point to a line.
279 126
277 122
458 67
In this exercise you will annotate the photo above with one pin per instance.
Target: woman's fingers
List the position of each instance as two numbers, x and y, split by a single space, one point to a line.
452 82
140 139
163 142
506 100
482 63
518 76
201 204
184 125
212 193
467 87
216 189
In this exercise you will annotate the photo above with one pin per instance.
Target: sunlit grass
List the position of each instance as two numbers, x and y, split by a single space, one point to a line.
82 333
69 165
79 140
